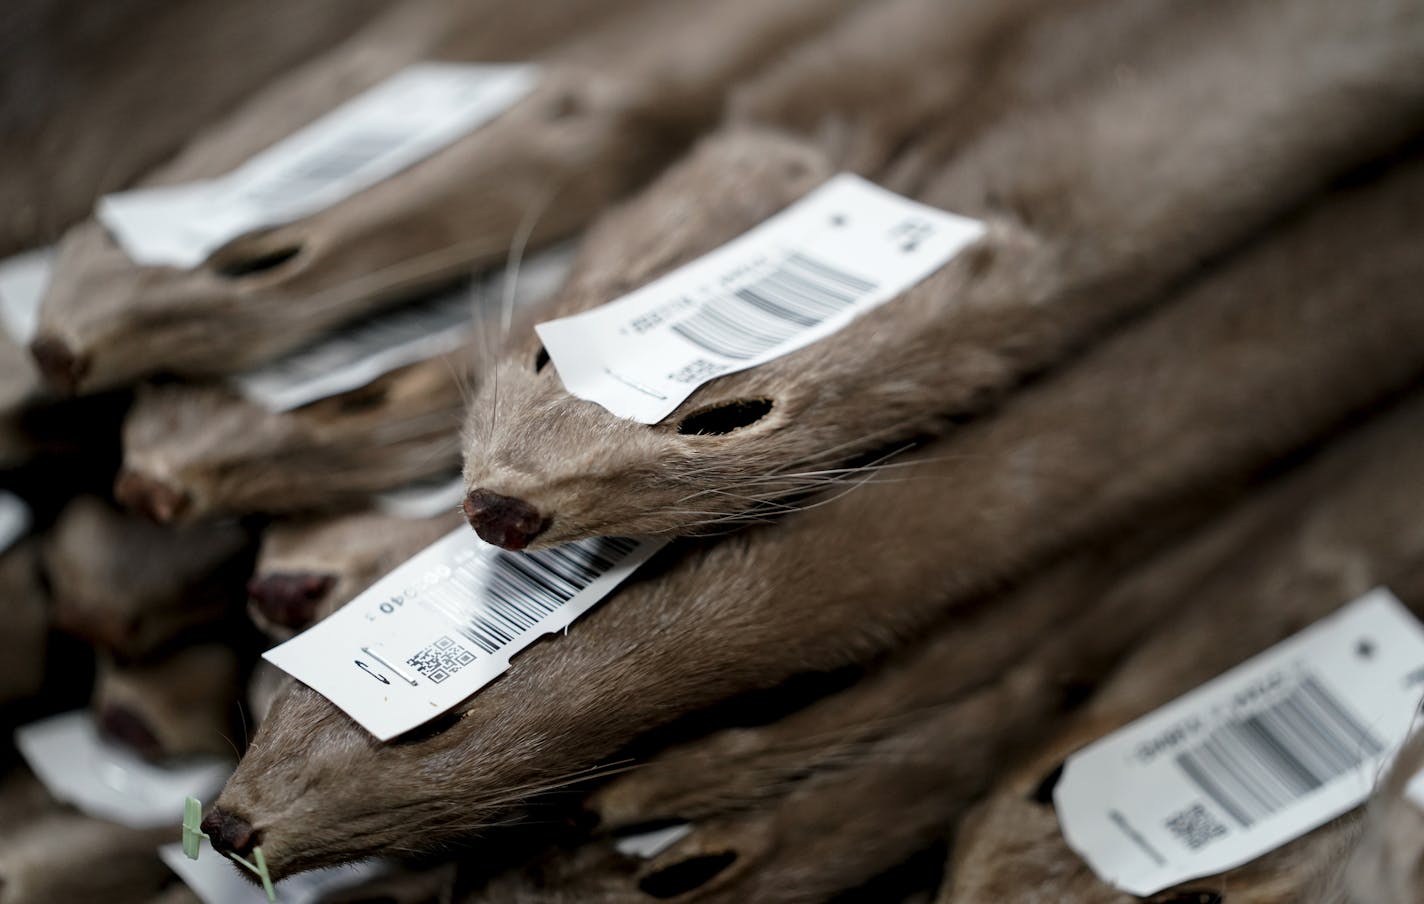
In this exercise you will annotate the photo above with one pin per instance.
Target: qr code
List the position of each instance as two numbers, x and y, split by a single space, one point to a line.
441 659
697 370
1195 826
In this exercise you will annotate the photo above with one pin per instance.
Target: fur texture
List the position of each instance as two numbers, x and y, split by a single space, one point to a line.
197 450
92 95
905 750
743 767
192 451
22 800
347 552
27 620
19 389
612 105
68 857
1200 395
180 705
1346 523
1386 863
131 587
1095 204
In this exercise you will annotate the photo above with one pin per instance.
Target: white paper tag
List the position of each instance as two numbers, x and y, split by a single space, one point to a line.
362 352
14 519
370 138
106 781
216 880
1259 756
446 622
647 845
23 281
374 346
425 499
845 248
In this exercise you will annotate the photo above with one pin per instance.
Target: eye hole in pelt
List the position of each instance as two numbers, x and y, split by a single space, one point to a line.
725 418
259 263
685 875
541 360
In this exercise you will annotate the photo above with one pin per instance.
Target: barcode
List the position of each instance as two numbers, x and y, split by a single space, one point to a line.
1254 766
440 660
353 151
799 294
505 595
373 334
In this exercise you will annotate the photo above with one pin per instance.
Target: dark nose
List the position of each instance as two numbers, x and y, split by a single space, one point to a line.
122 724
229 833
105 630
289 600
503 520
154 498
59 365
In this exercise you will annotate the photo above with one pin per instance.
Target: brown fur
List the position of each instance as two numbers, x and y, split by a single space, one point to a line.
422 886
904 751
1200 395
1094 205
192 451
1324 536
177 893
69 857
129 586
740 768
353 550
92 95
19 389
22 800
894 73
266 684
613 105
182 705
27 621
1386 863
197 450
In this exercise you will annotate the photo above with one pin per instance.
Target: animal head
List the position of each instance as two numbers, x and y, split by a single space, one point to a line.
543 467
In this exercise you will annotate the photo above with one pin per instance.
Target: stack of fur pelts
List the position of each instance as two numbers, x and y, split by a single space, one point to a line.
1159 413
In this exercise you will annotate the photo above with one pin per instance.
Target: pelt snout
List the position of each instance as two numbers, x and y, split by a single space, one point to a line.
122 724
229 833
503 520
59 364
152 497
289 600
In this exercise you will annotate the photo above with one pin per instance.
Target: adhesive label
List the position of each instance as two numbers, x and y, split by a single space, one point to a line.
392 126
107 781
1251 760
845 248
446 622
371 347
23 281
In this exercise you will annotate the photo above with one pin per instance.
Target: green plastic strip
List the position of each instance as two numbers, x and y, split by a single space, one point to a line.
260 868
192 827
193 836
